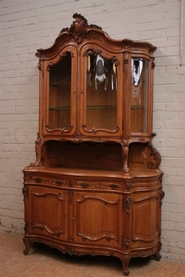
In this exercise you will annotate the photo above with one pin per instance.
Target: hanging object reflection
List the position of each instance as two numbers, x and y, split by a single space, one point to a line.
101 71
137 68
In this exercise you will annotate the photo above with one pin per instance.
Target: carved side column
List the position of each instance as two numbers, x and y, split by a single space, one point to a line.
125 156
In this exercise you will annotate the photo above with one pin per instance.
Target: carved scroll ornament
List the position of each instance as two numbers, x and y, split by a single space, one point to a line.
155 157
78 29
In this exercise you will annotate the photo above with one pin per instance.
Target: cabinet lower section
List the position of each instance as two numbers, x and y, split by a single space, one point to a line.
95 214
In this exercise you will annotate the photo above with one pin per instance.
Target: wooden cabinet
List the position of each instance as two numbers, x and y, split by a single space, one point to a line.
95 187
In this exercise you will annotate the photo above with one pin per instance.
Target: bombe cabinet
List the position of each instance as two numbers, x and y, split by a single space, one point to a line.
95 187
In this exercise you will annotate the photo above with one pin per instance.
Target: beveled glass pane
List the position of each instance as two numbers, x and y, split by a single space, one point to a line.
60 94
101 97
139 95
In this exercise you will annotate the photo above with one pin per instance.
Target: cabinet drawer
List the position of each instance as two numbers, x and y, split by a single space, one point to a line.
99 185
46 180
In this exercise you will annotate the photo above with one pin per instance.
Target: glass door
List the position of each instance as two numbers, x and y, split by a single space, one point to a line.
139 95
101 93
61 96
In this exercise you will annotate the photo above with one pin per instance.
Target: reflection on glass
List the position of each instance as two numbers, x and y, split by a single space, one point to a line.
60 94
139 68
101 98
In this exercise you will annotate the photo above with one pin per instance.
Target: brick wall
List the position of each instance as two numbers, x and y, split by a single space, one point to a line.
27 25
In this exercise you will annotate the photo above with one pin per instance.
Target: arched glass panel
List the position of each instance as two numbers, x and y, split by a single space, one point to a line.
101 92
139 95
60 94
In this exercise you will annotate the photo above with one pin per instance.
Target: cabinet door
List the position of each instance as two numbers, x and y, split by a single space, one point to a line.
60 93
101 92
46 212
97 218
145 212
141 95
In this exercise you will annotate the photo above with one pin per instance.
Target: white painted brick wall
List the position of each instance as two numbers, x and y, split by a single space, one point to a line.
27 25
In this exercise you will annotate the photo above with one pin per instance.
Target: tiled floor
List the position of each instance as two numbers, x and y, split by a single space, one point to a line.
43 261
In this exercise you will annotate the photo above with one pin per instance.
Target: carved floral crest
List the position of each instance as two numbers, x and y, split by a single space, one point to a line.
79 27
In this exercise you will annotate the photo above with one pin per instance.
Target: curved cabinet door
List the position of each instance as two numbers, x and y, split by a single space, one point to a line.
145 219
97 218
101 92
141 95
60 93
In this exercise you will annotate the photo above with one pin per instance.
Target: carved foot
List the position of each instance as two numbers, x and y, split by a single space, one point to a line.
25 251
27 244
157 256
125 263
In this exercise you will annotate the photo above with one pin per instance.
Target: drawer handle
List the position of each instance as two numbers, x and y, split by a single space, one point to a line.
38 180
84 185
59 183
113 186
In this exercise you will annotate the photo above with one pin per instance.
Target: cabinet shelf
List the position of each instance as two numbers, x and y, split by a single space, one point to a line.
60 108
137 107
101 107
60 83
81 172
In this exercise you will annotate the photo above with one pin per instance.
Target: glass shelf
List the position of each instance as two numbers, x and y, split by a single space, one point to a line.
101 107
137 107
59 108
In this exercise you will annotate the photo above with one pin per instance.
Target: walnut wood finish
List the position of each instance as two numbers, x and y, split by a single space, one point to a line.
95 187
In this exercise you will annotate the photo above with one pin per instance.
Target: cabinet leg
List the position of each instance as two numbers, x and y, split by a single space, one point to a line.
157 256
27 244
125 263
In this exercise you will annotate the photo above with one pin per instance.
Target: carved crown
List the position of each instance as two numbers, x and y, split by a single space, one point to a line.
79 27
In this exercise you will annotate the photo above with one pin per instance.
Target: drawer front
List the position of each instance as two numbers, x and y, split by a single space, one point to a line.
34 179
99 185
73 182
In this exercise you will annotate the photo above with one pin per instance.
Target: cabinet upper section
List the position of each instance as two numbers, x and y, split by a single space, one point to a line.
94 87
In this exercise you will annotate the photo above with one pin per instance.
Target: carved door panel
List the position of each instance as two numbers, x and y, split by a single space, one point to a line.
97 218
47 212
144 213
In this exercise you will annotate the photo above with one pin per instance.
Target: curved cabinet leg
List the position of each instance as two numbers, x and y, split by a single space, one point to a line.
27 244
157 254
125 263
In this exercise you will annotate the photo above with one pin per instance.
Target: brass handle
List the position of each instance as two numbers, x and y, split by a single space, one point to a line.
59 183
84 185
113 186
38 180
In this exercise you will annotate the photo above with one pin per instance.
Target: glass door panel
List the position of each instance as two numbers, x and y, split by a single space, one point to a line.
60 94
101 92
139 113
